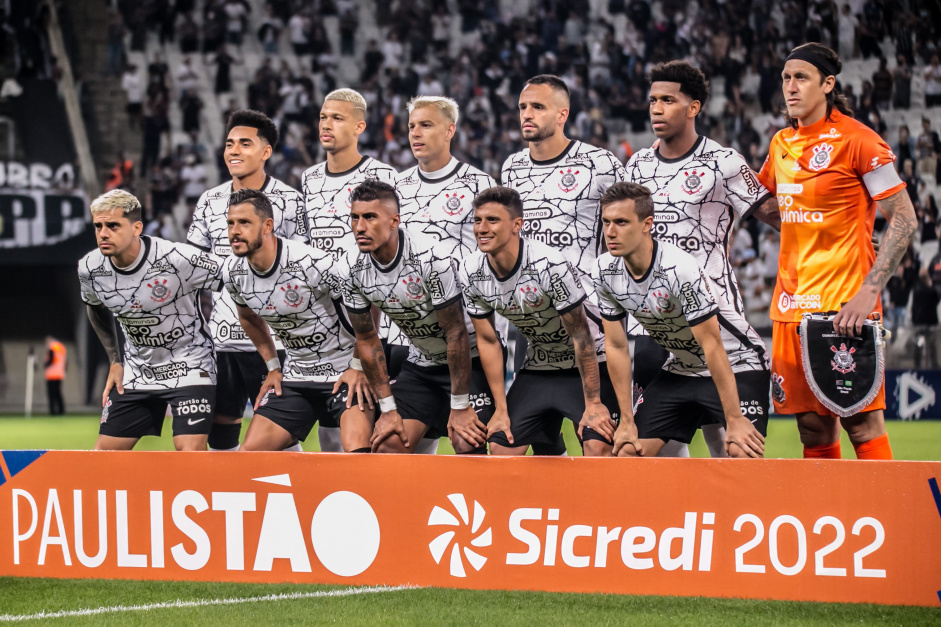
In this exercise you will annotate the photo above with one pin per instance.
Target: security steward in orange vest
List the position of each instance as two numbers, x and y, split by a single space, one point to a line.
55 374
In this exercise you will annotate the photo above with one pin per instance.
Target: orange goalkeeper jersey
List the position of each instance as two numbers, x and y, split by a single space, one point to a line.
827 177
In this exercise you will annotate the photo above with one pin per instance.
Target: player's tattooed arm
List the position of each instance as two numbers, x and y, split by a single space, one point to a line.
769 213
491 358
742 438
596 414
258 332
102 321
618 355
370 353
902 223
464 428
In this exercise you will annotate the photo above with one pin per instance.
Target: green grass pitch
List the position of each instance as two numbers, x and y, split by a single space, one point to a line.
20 598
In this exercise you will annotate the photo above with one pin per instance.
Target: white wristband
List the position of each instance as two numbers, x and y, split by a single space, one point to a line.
273 364
387 404
356 364
460 401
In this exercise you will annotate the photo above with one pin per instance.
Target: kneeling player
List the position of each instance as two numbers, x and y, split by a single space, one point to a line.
537 290
669 293
151 286
291 288
414 282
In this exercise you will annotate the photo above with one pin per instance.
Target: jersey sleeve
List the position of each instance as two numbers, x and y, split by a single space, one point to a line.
694 289
231 286
294 223
387 175
205 268
89 296
608 305
562 285
353 298
874 162
766 176
610 171
329 274
198 234
474 302
742 190
441 278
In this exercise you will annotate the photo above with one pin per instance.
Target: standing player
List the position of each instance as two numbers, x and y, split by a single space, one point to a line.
250 139
292 289
152 287
414 282
538 290
698 188
830 172
560 181
327 186
708 376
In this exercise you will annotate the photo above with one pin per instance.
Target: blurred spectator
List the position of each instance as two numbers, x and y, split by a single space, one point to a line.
133 85
186 77
116 33
882 85
848 29
902 82
928 146
188 32
193 180
191 106
925 300
223 61
933 83
270 31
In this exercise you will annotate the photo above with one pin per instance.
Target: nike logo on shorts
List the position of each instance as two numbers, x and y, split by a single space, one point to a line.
192 422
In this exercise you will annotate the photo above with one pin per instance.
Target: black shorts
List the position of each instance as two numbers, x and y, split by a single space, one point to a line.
424 394
301 405
137 413
647 362
539 400
239 380
673 406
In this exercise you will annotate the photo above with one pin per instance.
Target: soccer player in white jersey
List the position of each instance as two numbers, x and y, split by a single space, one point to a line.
291 288
441 389
535 287
250 139
560 181
327 185
708 375
698 188
152 287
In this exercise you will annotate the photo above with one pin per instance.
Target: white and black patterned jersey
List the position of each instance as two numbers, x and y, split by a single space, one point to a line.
441 207
209 231
156 301
538 291
674 295
560 198
420 280
326 221
299 298
696 198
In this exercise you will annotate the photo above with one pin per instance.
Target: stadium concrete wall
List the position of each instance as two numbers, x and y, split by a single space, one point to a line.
838 531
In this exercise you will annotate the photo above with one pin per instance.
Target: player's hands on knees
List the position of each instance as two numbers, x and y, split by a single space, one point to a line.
357 387
273 380
742 439
598 418
464 423
390 423
625 439
115 380
500 422
849 321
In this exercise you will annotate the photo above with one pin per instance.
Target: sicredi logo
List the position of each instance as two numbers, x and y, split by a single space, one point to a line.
442 517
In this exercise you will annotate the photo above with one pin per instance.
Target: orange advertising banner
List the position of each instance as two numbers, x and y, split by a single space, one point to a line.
841 531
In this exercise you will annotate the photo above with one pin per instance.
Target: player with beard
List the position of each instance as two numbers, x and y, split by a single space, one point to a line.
698 188
413 280
250 139
327 185
560 181
291 288
539 291
152 287
708 376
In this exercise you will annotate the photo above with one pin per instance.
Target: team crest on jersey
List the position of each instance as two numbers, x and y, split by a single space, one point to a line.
292 298
452 204
821 157
777 388
413 288
159 292
843 361
693 183
664 304
568 182
531 296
